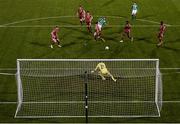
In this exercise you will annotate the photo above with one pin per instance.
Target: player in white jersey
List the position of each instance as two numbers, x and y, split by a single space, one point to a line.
134 10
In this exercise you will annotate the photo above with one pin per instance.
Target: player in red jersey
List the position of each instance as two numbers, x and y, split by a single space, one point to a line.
97 33
54 37
89 19
162 30
126 32
81 13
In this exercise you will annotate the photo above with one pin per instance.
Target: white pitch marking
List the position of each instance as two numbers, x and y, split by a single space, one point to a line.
14 69
55 17
8 69
74 102
79 26
36 19
8 74
8 102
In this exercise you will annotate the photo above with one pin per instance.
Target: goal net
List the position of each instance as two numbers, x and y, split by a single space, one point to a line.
49 88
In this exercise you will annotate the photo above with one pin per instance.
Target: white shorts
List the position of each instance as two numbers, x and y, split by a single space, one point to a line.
134 12
82 19
55 40
100 27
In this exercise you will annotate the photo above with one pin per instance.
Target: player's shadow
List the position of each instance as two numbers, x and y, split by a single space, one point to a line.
145 39
174 41
69 44
154 53
147 16
83 38
65 22
108 3
38 44
66 34
110 38
81 30
170 48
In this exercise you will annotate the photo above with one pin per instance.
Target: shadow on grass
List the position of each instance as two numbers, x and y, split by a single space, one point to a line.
38 44
174 41
145 39
84 38
108 3
170 48
69 44
66 34
110 38
147 16
154 53
81 31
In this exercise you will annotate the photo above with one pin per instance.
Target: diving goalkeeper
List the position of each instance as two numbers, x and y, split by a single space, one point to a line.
103 71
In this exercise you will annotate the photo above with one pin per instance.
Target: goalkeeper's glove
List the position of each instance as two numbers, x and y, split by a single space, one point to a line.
92 71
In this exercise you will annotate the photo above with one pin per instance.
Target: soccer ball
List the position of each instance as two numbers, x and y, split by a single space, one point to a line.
107 48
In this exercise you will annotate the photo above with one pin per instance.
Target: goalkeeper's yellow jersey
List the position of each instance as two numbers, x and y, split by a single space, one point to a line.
102 67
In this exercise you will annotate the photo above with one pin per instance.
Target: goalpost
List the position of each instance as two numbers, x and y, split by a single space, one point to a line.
49 88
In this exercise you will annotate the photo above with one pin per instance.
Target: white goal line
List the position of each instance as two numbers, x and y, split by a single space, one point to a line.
88 60
8 74
15 69
82 102
90 116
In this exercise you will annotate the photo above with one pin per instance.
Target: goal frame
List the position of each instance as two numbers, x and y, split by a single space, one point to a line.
20 87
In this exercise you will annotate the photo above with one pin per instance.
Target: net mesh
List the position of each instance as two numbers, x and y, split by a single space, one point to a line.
56 89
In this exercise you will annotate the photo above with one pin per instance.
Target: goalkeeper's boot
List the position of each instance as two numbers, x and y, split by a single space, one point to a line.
103 78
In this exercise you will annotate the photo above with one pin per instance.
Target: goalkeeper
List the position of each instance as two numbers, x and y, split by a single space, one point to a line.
103 71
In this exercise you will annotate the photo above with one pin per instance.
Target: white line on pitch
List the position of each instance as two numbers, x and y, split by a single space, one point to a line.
8 69
8 102
79 26
169 68
72 102
14 69
8 74
36 19
55 17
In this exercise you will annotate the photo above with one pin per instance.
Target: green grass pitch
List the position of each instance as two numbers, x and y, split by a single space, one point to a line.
25 27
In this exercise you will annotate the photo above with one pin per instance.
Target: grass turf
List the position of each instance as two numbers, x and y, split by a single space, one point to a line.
33 42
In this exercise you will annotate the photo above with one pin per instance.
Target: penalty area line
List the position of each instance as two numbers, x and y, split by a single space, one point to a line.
70 16
80 26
